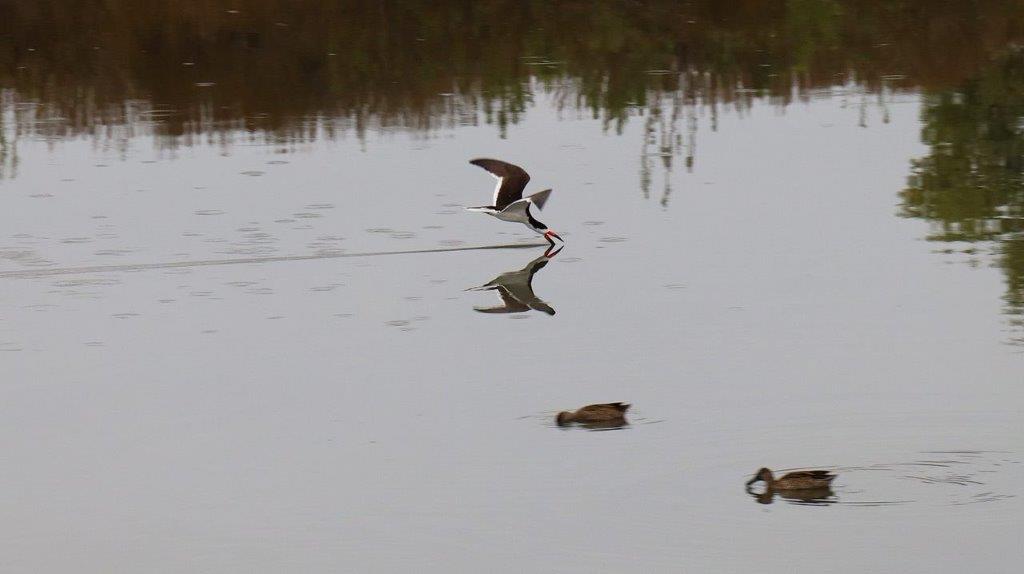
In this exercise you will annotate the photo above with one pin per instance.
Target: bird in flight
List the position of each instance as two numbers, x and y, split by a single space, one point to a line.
509 203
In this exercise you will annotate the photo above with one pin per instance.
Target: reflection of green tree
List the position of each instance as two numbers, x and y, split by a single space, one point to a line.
279 65
971 184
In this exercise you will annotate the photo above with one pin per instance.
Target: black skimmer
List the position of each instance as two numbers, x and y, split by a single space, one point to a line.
509 203
516 289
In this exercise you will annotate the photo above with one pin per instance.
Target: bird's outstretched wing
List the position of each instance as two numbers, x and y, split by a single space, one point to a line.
510 304
512 180
540 198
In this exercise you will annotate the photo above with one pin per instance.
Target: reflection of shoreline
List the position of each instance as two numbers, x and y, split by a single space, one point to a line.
968 185
358 66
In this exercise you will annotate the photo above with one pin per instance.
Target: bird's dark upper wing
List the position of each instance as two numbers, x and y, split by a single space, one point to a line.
512 180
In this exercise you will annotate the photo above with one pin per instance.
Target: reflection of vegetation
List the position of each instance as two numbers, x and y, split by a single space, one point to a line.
292 70
293 67
971 184
8 149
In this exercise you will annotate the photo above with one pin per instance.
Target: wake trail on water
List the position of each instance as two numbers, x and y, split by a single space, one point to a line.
46 272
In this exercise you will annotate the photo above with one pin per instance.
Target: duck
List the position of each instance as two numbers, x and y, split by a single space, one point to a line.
605 414
799 480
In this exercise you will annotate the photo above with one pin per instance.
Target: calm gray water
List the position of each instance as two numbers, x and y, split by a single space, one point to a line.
357 414
234 347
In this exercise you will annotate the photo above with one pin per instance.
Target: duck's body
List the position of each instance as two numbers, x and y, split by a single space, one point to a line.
600 414
799 480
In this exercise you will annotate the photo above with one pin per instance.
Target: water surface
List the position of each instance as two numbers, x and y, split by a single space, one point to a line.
237 332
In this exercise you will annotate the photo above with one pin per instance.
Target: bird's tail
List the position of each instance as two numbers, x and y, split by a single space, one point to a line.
539 198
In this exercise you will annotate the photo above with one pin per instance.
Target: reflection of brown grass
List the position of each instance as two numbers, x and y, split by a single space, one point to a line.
277 63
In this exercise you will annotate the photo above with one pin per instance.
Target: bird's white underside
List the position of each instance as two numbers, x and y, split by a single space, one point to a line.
516 212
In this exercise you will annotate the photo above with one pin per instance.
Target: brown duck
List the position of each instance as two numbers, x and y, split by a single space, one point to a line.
607 414
800 480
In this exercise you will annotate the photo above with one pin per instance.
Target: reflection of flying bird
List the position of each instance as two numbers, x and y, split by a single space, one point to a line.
516 289
509 203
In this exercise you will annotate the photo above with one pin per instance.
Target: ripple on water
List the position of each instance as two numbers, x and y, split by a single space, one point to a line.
326 288
401 324
956 479
81 281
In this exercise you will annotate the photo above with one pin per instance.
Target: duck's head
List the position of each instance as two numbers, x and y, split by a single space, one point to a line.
763 474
